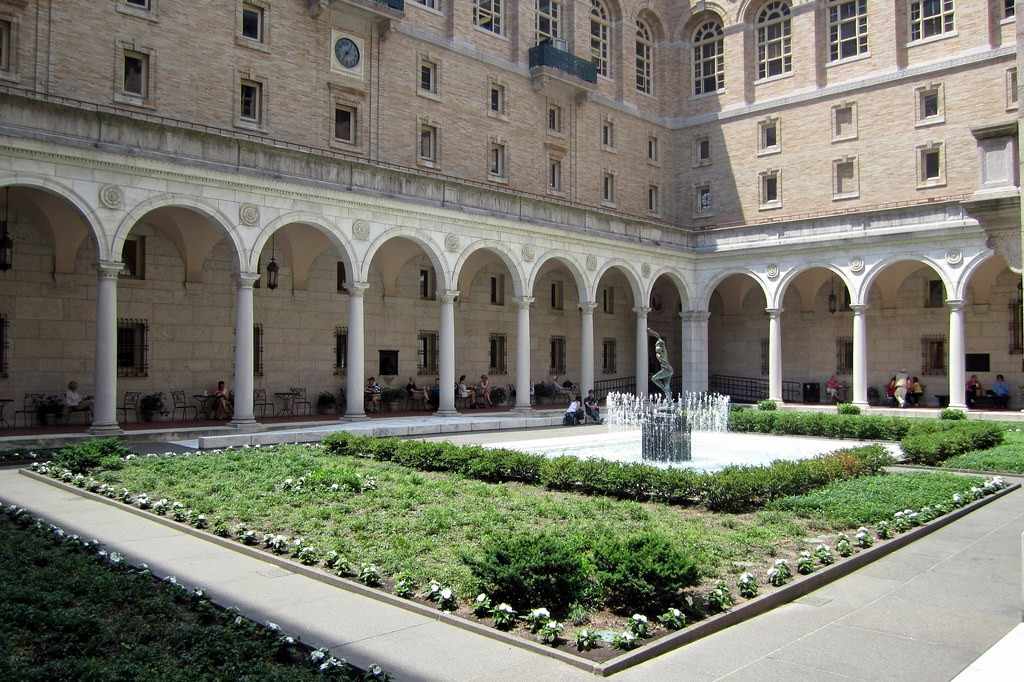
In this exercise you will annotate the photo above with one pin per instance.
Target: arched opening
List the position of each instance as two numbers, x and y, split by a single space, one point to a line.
556 355
994 324
615 331
667 302
47 304
738 339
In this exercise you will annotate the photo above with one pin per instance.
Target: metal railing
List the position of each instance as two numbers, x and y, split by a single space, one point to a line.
546 54
620 385
751 390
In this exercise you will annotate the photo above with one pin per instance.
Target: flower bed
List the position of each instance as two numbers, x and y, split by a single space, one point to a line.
1007 457
418 536
73 610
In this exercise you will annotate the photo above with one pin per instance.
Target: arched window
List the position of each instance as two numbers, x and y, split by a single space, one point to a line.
708 58
774 44
600 44
644 58
549 21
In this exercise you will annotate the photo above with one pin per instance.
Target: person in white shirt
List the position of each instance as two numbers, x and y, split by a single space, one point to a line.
573 412
75 401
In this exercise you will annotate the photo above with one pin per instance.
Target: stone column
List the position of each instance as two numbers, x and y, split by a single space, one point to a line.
586 347
104 409
243 416
446 376
775 354
641 349
694 371
523 353
957 388
860 355
355 352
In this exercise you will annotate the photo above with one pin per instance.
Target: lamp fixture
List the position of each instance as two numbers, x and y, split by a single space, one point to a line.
272 267
6 243
832 296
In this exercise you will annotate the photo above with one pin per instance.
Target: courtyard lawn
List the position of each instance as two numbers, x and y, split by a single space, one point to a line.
1008 457
67 615
422 524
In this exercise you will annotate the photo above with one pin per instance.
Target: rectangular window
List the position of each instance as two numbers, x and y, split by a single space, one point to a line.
257 350
251 102
652 198
608 134
1009 8
252 22
428 143
652 148
608 359
430 4
6 58
340 349
487 15
936 294
608 300
497 160
702 151
136 74
428 285
978 362
770 189
498 358
549 20
930 165
387 362
497 289
844 355
933 355
428 77
497 99
1016 325
608 188
847 29
703 200
558 295
768 136
133 255
4 346
929 104
844 122
764 356
930 18
844 178
1011 88
554 118
342 278
132 348
557 355
345 124
142 4
555 175
426 353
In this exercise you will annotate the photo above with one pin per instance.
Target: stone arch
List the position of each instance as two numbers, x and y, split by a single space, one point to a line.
499 250
329 230
428 246
709 11
860 295
968 270
720 277
653 21
793 273
746 11
681 288
83 207
582 283
212 213
632 277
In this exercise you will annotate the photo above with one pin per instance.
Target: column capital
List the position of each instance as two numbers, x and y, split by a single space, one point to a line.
695 315
858 308
955 304
449 296
588 307
109 269
642 310
246 280
524 301
773 312
357 288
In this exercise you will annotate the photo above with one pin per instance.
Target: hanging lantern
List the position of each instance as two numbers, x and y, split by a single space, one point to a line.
272 267
832 297
6 243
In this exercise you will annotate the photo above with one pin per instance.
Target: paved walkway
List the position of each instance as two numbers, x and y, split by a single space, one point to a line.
922 613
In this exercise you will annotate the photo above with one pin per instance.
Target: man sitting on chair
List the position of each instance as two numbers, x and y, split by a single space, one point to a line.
74 402
573 413
590 405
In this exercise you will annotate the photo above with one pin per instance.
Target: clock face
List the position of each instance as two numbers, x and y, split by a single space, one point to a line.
347 53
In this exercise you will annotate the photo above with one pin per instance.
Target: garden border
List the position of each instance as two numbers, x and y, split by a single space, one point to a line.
800 586
951 470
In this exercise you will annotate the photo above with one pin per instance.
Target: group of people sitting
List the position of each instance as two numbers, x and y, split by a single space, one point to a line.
999 394
904 390
481 392
579 411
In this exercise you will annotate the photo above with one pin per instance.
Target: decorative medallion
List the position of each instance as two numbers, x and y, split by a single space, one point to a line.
857 265
528 253
645 270
361 230
249 215
451 242
591 263
954 256
111 196
773 271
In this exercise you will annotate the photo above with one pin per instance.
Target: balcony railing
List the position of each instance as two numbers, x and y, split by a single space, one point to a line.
546 54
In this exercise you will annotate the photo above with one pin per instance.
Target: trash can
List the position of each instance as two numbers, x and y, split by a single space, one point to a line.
812 392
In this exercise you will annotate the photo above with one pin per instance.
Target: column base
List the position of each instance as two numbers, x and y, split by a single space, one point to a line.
957 406
522 410
355 415
863 405
446 413
106 430
246 425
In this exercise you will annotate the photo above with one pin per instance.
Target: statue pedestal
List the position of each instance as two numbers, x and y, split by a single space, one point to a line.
665 435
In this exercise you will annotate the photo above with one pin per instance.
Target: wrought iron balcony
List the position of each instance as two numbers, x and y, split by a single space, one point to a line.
548 61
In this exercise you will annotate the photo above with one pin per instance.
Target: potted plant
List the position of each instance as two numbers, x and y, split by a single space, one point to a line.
393 398
149 405
325 403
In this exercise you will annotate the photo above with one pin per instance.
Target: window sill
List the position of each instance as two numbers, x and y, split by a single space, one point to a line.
429 10
253 126
770 151
702 216
1010 107
772 79
556 133
848 60
929 122
428 95
138 13
1008 20
931 184
702 163
609 204
497 116
492 34
498 179
134 101
932 39
654 163
771 206
557 193
610 150
844 139
242 41
345 145
426 163
708 95
846 196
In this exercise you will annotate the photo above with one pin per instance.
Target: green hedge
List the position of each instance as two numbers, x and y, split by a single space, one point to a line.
825 424
735 488
935 446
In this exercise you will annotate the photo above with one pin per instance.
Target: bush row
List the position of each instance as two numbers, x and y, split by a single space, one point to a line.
935 447
824 424
735 488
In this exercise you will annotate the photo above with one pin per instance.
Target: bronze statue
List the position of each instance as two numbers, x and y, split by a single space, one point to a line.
663 377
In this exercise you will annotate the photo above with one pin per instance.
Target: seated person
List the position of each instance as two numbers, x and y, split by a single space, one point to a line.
461 389
590 406
411 386
220 405
573 413
74 401
890 392
372 394
973 391
483 393
1000 392
434 393
916 392
832 387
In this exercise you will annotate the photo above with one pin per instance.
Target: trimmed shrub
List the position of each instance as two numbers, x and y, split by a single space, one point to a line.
89 454
861 427
847 408
767 406
531 569
952 414
642 573
934 447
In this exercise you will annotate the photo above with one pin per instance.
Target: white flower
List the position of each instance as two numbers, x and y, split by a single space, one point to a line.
505 607
640 618
446 594
540 613
318 656
481 598
675 612
783 562
273 627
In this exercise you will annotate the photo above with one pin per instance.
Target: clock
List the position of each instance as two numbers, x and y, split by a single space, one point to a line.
347 53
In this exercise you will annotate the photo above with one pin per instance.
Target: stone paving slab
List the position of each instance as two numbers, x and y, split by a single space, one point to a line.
1001 663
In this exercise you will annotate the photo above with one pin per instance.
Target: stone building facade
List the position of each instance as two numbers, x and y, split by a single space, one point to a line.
784 190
